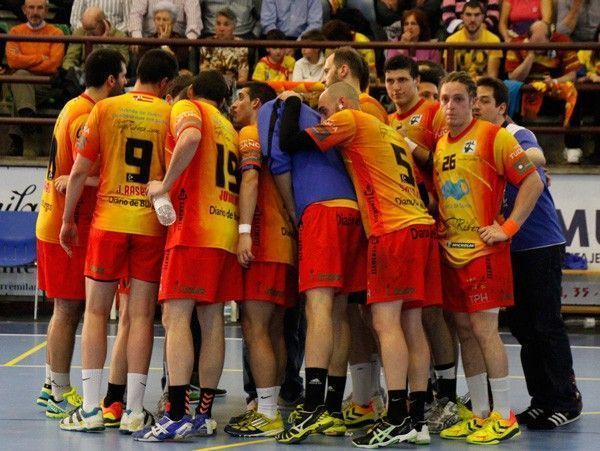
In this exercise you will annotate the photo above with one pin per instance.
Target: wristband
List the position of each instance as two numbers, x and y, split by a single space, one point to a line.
510 227
244 228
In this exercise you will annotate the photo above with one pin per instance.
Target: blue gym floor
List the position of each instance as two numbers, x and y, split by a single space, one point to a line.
23 425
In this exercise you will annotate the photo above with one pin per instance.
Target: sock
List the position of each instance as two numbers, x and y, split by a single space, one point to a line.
315 388
179 401
61 383
48 380
115 393
335 393
397 409
207 397
267 401
500 396
375 375
92 381
136 387
446 380
480 402
361 383
430 395
417 408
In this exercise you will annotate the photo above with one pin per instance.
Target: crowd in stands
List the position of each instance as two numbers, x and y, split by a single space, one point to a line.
404 21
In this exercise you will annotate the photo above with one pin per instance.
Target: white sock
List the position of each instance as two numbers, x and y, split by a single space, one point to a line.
500 396
61 383
92 381
136 387
477 386
449 373
267 401
375 375
48 375
361 383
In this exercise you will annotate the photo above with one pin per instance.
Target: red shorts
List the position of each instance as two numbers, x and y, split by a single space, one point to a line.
332 249
114 255
482 284
271 282
204 274
433 285
402 266
59 275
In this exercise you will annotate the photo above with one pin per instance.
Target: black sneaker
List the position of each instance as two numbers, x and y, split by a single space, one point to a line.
552 420
383 433
306 423
530 414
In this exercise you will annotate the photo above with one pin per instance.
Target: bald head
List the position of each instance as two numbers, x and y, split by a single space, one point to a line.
338 96
539 31
93 21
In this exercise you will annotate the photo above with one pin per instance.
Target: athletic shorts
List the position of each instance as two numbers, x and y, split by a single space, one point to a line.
59 275
332 249
482 284
398 266
203 274
271 282
433 284
114 255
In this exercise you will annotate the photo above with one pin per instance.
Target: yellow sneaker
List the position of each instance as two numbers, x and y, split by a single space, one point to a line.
256 425
357 416
468 424
338 428
495 430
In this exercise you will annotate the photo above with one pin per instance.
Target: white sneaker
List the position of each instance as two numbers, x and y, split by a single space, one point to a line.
82 421
135 421
572 155
422 437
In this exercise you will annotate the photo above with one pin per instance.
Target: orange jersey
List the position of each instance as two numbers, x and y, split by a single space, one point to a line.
381 167
68 125
470 173
272 231
423 124
127 133
205 196
371 106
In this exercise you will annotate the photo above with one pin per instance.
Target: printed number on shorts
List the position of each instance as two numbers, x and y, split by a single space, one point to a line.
400 154
226 175
138 153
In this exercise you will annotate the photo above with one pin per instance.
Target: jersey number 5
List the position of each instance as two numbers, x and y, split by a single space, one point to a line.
142 161
400 154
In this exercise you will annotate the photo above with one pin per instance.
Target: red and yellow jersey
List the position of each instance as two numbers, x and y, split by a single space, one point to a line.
127 133
273 233
68 125
423 124
380 164
371 106
205 196
470 173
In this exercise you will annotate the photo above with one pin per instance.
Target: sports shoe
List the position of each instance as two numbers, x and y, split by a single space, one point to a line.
443 415
161 405
195 393
44 396
135 421
250 407
357 416
112 414
530 414
165 430
552 420
81 421
203 426
338 427
256 425
304 424
383 433
495 430
60 409
468 424
422 437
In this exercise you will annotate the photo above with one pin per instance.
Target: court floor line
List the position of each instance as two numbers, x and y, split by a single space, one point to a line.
235 445
26 354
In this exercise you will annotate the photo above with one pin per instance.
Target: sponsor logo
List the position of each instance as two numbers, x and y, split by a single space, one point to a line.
459 245
522 165
456 190
470 146
416 119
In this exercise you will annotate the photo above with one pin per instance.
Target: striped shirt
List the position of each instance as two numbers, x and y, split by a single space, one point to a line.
188 22
117 12
452 11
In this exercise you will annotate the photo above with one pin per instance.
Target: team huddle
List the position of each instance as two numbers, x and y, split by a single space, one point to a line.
394 229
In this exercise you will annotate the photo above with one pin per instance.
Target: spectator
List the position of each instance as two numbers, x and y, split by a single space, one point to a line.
188 20
310 66
232 62
517 16
117 12
165 14
390 11
415 29
591 61
336 30
578 19
93 23
292 17
31 58
476 62
452 14
276 66
246 11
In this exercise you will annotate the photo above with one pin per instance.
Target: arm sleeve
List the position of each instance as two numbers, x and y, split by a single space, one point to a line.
193 19
57 52
561 12
17 60
75 130
259 73
510 158
291 138
184 115
88 143
250 150
123 23
136 17
268 16
76 11
315 14
73 56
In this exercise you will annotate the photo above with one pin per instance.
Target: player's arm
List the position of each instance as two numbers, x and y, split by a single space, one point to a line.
291 137
250 166
286 191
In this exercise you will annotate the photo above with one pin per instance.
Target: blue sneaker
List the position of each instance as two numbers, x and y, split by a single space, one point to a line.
44 396
203 426
166 430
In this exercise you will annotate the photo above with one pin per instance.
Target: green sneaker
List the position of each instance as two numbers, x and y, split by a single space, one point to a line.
338 427
44 396
256 425
61 409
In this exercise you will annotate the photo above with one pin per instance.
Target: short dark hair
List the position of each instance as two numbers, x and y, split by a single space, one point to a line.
336 30
400 62
229 13
499 88
261 91
156 65
275 35
210 85
350 57
178 84
421 18
463 78
430 76
100 64
313 35
431 66
474 4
